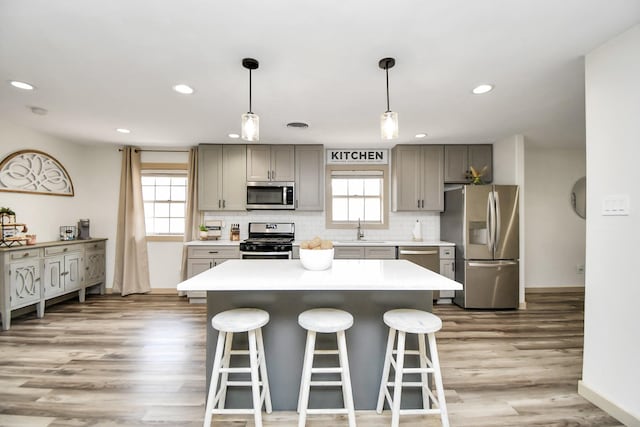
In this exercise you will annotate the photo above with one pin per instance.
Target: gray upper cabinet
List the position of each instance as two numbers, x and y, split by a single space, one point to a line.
309 189
222 179
270 163
459 158
417 178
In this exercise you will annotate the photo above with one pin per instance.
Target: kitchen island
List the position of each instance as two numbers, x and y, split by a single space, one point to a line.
365 288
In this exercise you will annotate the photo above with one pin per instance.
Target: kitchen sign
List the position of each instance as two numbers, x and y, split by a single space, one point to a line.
363 156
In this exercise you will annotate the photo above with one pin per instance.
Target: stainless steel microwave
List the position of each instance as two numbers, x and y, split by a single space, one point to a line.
270 195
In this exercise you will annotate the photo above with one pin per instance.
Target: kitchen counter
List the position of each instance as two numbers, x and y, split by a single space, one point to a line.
283 288
213 243
336 242
345 275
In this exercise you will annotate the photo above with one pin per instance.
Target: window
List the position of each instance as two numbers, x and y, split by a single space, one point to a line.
356 194
164 194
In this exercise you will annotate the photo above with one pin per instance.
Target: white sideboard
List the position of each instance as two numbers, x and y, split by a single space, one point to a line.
31 275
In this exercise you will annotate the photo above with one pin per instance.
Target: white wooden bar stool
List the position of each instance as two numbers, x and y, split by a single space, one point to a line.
408 321
325 321
250 320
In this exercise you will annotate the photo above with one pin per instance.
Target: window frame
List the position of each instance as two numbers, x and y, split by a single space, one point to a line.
167 169
330 224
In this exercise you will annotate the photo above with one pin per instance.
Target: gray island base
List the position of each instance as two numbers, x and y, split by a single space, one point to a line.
284 342
283 288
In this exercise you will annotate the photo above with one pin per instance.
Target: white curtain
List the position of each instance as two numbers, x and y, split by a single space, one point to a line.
192 214
131 274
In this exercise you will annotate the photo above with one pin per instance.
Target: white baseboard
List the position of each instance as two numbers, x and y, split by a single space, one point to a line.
606 405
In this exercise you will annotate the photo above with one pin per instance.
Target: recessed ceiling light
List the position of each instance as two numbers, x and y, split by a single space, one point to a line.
483 88
183 89
298 125
421 135
123 130
38 110
233 136
22 85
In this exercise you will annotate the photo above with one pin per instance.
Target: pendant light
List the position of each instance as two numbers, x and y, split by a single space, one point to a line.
388 119
250 121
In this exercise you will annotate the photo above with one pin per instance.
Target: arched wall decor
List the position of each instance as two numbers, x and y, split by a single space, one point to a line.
33 171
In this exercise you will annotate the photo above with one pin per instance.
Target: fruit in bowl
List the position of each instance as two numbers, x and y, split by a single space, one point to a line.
316 254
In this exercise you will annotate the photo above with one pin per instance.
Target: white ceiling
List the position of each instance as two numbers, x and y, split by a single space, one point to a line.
101 65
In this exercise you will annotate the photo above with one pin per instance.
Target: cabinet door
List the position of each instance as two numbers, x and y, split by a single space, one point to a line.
481 156
407 170
24 283
380 252
348 252
234 179
94 267
197 266
282 163
456 163
432 178
53 277
210 177
309 189
258 163
72 272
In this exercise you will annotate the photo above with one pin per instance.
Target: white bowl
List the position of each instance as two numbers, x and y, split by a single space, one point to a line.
316 259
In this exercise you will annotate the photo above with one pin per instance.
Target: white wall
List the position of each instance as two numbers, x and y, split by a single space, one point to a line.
95 173
555 241
611 372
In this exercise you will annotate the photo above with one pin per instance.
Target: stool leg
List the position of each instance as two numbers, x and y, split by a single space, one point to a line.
347 393
306 375
435 360
255 384
217 359
303 375
424 376
263 372
385 370
226 361
397 387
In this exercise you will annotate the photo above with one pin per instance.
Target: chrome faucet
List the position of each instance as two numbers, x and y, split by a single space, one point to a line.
360 232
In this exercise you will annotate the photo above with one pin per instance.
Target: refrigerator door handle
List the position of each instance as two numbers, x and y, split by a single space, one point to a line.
490 223
490 264
496 216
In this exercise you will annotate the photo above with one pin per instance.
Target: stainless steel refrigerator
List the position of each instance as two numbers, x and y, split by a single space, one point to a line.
482 220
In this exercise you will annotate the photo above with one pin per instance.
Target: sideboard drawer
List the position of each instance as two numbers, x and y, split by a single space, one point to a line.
95 246
62 249
27 253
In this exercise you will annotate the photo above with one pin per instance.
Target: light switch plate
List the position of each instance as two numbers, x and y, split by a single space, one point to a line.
617 204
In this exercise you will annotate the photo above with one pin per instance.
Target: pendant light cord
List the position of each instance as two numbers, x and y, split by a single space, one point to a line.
386 69
251 112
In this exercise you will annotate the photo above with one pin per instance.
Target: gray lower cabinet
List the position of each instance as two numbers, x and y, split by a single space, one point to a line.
458 160
309 189
202 258
32 275
364 252
417 178
222 177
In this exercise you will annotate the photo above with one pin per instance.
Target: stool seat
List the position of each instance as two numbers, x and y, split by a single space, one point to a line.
412 321
325 320
240 320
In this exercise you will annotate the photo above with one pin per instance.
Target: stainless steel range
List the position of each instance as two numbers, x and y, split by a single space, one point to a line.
268 240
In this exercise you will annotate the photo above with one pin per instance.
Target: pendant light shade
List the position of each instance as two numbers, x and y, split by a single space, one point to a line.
388 119
250 121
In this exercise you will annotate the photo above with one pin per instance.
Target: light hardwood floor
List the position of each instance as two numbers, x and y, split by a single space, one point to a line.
139 360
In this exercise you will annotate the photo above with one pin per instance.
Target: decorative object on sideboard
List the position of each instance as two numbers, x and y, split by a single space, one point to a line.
83 229
68 232
11 232
33 171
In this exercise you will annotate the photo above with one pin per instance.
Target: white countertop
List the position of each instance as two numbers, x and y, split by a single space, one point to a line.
335 243
345 275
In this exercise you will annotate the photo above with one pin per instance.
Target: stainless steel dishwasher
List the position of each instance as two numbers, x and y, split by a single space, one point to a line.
425 256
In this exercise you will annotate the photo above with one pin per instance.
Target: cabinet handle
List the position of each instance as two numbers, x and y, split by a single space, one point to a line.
37 279
268 174
213 252
422 204
418 204
219 203
224 203
273 174
26 254
65 249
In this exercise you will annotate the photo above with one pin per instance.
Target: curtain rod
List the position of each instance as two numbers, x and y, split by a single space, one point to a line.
140 150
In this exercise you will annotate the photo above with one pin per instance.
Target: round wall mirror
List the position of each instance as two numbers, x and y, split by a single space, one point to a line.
579 197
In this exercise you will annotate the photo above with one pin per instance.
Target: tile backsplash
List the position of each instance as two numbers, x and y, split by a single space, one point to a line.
310 224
